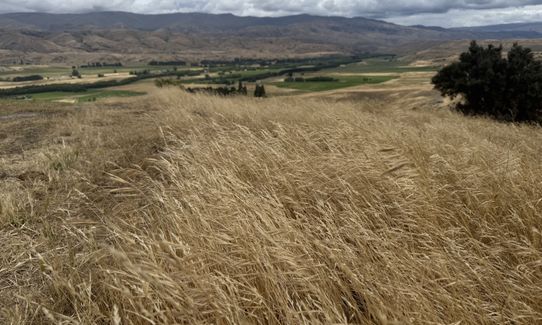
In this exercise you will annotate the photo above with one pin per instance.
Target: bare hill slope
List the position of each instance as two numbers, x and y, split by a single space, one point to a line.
206 35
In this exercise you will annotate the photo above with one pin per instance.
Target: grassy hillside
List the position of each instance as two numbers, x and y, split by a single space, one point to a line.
194 209
89 95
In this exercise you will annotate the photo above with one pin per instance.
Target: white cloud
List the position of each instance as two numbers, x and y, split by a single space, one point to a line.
427 12
462 17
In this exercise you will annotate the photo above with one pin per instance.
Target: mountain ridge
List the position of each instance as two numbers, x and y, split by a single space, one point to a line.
157 21
513 27
47 37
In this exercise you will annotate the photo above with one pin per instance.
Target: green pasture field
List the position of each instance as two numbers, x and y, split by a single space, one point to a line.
342 82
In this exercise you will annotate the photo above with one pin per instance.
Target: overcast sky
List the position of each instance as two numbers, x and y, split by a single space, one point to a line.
410 12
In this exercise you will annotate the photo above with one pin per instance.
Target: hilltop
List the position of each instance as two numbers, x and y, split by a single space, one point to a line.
188 209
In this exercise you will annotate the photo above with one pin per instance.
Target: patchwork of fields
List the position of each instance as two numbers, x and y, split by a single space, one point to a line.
366 72
341 82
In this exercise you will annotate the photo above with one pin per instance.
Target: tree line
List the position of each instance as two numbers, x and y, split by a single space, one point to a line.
34 77
166 63
294 61
100 65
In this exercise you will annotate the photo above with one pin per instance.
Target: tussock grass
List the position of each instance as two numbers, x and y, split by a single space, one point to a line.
284 211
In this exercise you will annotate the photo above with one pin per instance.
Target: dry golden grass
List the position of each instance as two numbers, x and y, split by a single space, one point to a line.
278 211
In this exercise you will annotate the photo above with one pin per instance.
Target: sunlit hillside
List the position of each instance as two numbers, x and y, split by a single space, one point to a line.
193 209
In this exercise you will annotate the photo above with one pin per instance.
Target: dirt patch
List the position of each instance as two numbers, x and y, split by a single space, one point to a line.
66 101
17 116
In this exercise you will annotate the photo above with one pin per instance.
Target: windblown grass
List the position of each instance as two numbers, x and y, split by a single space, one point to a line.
281 211
85 96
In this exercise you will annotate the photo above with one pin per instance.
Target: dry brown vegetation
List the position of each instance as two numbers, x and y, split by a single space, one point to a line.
447 52
194 209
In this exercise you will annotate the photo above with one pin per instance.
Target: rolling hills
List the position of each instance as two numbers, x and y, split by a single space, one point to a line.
46 38
535 27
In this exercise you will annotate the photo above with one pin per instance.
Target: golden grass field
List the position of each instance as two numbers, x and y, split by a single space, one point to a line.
191 209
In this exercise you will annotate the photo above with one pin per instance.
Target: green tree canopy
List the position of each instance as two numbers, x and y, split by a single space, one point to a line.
506 88
259 91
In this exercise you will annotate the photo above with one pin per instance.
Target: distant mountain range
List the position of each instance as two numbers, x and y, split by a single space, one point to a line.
119 35
534 28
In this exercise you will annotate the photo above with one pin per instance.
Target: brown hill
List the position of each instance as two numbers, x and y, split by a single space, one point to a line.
48 37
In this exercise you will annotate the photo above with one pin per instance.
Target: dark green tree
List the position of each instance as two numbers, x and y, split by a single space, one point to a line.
259 91
525 79
241 89
506 88
76 73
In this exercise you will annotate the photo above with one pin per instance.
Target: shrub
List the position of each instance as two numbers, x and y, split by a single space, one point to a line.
505 88
27 78
242 89
220 91
75 73
259 91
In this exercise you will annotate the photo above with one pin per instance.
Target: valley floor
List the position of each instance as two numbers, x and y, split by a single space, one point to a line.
370 207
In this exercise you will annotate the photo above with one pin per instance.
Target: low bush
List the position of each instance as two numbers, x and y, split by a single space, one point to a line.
34 77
